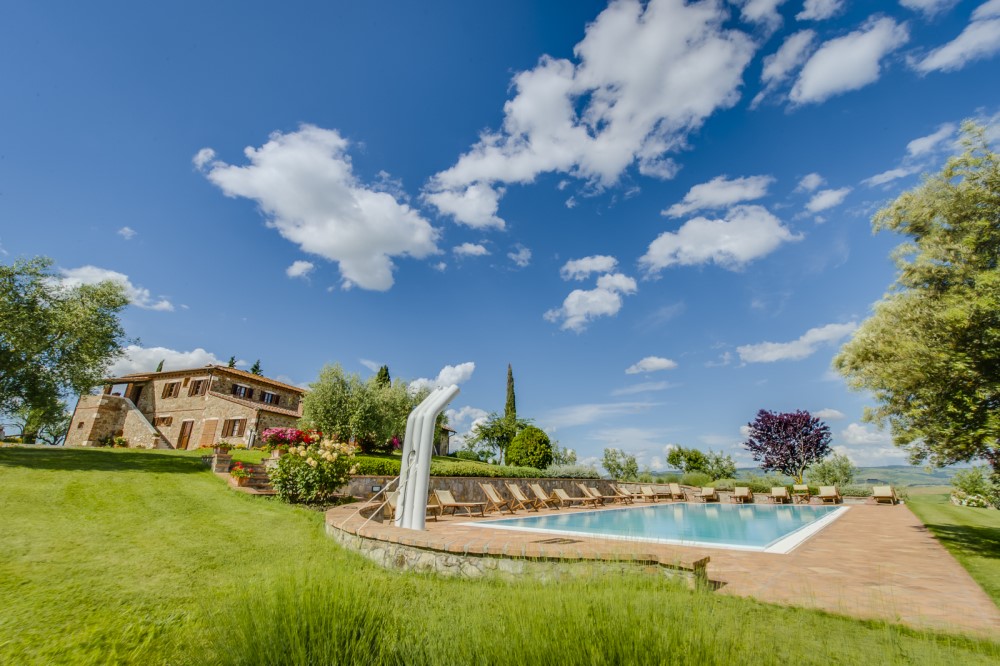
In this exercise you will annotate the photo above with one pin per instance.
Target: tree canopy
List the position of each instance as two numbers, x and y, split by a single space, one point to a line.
495 434
530 448
620 465
787 442
54 339
716 464
930 352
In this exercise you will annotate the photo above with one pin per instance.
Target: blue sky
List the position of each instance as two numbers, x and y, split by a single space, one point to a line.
658 213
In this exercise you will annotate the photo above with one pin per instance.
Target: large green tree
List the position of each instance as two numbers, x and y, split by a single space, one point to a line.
54 339
495 434
47 424
620 465
930 352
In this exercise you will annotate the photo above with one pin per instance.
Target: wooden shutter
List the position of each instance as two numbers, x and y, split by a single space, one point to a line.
277 399
238 427
208 432
235 387
249 394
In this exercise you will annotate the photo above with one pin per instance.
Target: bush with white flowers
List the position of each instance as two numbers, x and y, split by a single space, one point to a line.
313 472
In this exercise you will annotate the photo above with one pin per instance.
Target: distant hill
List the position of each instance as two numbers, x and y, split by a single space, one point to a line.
896 475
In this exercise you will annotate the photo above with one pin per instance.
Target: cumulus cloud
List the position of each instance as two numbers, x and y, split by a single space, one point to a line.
137 296
464 420
780 65
720 192
642 79
128 233
746 233
819 10
304 183
980 39
470 250
577 415
825 199
889 176
450 374
830 414
867 446
651 364
579 269
584 305
299 269
762 12
796 350
520 255
810 182
849 62
928 7
925 144
145 359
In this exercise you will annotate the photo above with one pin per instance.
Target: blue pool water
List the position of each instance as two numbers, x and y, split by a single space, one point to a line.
767 527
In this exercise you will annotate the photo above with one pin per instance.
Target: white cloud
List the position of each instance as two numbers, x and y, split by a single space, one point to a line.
470 250
980 39
651 364
450 374
577 415
644 76
763 12
371 365
584 305
825 199
810 182
796 350
440 267
830 414
299 269
849 62
304 184
137 296
889 176
788 58
579 269
926 144
868 447
128 233
642 387
928 7
720 192
747 233
520 255
819 10
145 359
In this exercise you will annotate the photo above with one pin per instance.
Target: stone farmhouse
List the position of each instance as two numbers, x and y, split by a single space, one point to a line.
185 409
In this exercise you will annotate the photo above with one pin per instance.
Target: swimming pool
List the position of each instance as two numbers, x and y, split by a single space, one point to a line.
770 528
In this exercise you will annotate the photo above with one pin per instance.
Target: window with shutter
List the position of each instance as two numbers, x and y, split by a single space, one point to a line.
249 394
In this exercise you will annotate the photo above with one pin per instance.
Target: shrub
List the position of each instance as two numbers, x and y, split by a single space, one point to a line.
696 479
975 482
314 472
377 466
466 454
761 484
439 468
959 498
724 484
837 470
530 448
571 472
670 478
854 490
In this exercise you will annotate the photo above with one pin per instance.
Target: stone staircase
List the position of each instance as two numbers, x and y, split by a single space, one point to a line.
259 482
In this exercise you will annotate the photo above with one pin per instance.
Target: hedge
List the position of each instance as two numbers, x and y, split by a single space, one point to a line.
371 466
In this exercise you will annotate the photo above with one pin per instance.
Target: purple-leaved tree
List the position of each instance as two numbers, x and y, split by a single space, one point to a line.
787 443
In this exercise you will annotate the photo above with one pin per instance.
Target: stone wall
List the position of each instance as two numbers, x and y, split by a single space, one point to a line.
100 416
466 488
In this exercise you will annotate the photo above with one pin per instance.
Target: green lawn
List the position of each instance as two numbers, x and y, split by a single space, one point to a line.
120 556
972 536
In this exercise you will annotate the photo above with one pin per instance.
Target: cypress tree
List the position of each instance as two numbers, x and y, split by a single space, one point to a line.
510 409
232 362
159 368
255 368
382 378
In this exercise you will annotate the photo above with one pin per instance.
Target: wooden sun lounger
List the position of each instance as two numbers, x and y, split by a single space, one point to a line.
741 495
650 495
676 492
708 494
494 502
522 501
629 497
829 494
800 493
779 495
597 494
392 504
543 497
884 494
564 498
447 501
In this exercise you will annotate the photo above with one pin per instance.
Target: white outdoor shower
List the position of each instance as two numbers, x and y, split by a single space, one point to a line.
418 447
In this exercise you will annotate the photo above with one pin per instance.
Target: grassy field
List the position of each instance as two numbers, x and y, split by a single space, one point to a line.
971 535
118 556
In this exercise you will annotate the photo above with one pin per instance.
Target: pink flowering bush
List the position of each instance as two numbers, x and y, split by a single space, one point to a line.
282 439
314 471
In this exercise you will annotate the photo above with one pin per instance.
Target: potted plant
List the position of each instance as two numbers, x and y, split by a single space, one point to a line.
222 447
241 473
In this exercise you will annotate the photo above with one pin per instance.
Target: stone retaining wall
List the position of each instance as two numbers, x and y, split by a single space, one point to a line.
466 488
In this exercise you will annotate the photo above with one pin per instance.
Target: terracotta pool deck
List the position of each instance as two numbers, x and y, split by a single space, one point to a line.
876 562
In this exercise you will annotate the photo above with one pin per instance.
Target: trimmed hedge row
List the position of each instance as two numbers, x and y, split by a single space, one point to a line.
764 485
371 466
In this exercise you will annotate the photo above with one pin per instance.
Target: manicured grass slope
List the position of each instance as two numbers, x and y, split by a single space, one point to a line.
972 536
145 557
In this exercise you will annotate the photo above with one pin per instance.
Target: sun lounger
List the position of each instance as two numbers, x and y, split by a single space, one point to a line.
494 501
621 495
587 492
829 494
708 494
779 495
522 501
650 495
676 492
612 498
741 495
624 492
884 494
543 497
392 503
564 498
447 501
800 494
